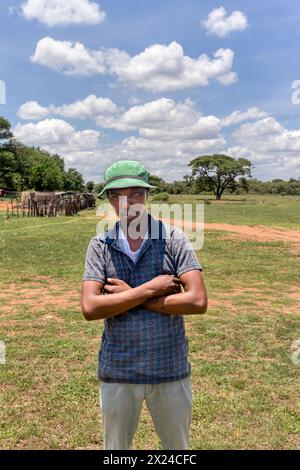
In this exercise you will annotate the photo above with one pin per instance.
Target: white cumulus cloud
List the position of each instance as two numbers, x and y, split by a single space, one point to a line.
221 24
164 119
162 68
236 117
262 130
68 57
90 107
58 136
273 148
228 79
163 134
158 68
63 12
31 110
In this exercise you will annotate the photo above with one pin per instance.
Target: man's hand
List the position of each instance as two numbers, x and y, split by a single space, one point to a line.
164 284
193 299
114 286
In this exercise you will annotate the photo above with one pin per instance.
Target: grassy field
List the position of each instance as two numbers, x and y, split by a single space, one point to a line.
252 209
246 387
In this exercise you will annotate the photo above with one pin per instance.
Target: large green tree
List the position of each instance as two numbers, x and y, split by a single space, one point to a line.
46 175
73 180
217 172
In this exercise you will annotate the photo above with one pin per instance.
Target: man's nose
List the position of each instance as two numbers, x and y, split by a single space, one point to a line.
124 202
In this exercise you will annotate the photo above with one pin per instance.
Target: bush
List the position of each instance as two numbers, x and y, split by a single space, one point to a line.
161 197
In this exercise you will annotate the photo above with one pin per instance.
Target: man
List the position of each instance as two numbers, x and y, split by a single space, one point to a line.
144 350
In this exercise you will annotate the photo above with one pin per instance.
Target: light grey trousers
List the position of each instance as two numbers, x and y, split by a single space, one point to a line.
170 406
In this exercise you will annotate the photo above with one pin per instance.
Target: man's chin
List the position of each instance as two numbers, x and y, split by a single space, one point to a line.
127 218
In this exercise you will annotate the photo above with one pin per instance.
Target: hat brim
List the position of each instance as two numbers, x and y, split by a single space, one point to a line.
125 183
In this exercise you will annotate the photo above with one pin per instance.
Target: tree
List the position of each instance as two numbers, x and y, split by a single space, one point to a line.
5 132
189 184
294 186
178 187
244 184
159 182
90 186
10 163
202 185
98 187
278 186
46 175
73 180
8 170
219 171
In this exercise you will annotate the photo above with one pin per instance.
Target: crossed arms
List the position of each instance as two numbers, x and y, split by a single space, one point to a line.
162 294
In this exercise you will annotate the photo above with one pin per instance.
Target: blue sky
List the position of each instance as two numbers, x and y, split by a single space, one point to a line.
151 99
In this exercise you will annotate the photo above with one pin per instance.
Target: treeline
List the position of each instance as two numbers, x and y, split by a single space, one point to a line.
189 185
276 186
23 167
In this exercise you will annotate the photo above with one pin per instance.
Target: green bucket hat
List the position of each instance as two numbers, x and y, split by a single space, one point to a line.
124 174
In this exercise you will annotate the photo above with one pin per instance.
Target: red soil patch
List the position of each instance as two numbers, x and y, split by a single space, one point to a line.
260 300
3 205
257 232
41 294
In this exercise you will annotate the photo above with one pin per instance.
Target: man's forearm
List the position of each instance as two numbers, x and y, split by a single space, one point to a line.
183 303
105 306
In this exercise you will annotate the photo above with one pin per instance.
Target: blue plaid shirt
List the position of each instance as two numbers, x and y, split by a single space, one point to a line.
141 346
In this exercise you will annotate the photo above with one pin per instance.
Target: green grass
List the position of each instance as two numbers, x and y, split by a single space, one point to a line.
245 386
252 209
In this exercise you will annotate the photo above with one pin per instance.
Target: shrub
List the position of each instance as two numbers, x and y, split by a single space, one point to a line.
161 197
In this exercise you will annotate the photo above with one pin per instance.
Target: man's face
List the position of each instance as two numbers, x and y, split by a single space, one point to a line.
125 198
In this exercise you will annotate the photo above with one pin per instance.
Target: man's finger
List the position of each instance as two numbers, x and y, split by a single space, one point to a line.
113 280
109 288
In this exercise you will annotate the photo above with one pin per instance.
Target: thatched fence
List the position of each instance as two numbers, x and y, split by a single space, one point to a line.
50 204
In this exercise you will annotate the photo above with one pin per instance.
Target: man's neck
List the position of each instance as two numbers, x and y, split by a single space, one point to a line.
140 229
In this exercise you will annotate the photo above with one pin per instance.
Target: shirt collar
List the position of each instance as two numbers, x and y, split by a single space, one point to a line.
155 227
123 237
